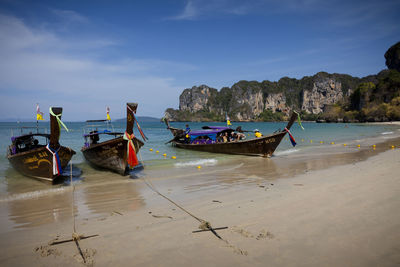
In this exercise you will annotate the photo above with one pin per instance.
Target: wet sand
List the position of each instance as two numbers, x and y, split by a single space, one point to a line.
328 209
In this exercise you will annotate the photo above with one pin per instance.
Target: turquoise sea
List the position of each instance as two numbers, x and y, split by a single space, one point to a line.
26 202
308 140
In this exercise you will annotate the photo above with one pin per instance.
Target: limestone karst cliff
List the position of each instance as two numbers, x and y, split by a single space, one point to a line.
249 100
330 97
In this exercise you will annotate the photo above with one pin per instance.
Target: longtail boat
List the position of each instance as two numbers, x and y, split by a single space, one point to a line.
46 160
117 154
209 140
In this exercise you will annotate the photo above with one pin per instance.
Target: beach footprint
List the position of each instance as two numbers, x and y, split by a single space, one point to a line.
265 234
262 235
242 232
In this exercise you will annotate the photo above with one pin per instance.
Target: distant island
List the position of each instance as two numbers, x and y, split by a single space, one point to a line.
323 97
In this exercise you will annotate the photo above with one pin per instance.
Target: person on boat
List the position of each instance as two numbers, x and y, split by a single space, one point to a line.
241 136
187 130
225 138
234 137
257 133
94 137
187 134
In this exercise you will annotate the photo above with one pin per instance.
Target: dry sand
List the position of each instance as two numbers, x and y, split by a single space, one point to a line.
347 215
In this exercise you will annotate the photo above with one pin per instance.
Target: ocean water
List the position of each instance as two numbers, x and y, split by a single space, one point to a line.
309 141
26 202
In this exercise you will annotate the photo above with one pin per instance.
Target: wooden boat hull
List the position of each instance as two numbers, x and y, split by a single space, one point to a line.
38 163
264 146
110 154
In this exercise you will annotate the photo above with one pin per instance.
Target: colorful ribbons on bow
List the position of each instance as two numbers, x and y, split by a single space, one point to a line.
137 123
299 120
131 151
291 137
58 119
56 160
140 129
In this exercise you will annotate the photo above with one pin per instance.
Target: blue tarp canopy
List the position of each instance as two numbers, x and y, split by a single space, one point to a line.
209 132
211 135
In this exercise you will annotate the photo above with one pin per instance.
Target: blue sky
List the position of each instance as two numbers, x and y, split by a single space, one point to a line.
86 55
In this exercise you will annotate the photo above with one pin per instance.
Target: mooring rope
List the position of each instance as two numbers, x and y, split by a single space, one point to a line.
203 223
73 201
151 186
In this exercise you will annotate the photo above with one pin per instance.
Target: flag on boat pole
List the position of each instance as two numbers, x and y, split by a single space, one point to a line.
39 115
108 113
228 122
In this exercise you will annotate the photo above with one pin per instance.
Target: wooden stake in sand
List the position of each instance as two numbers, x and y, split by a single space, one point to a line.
75 236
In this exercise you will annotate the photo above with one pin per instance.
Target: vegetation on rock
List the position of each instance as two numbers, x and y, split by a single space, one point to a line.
325 97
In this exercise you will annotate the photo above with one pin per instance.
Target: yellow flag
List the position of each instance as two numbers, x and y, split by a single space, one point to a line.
228 120
108 114
39 115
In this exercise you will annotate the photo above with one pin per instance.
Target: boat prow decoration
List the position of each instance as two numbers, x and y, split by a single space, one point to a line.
117 154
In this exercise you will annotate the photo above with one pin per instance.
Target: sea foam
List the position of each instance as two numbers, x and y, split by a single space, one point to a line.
384 133
286 152
206 162
33 194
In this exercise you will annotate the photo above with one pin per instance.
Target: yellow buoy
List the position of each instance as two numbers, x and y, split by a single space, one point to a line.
332 143
164 155
392 147
374 146
344 145
321 142
199 167
157 151
151 149
310 141
358 146
173 157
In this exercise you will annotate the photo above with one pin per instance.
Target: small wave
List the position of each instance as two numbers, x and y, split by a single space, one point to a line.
32 195
384 133
286 152
206 162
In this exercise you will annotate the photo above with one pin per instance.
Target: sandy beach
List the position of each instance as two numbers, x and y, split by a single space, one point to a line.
338 210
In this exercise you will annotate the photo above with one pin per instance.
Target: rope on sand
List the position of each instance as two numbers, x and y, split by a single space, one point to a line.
204 225
75 236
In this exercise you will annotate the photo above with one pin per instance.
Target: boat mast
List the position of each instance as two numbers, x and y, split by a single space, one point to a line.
130 109
55 128
291 121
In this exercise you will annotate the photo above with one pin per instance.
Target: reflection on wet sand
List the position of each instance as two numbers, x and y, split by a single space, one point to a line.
111 197
52 205
40 207
104 193
253 170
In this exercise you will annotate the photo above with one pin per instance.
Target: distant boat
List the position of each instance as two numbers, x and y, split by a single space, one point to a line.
41 160
111 154
207 140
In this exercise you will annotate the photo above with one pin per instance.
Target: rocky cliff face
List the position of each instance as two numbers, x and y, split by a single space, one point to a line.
248 101
324 92
276 103
196 98
392 57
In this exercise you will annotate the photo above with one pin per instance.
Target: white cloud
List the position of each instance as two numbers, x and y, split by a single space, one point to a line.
69 16
34 69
